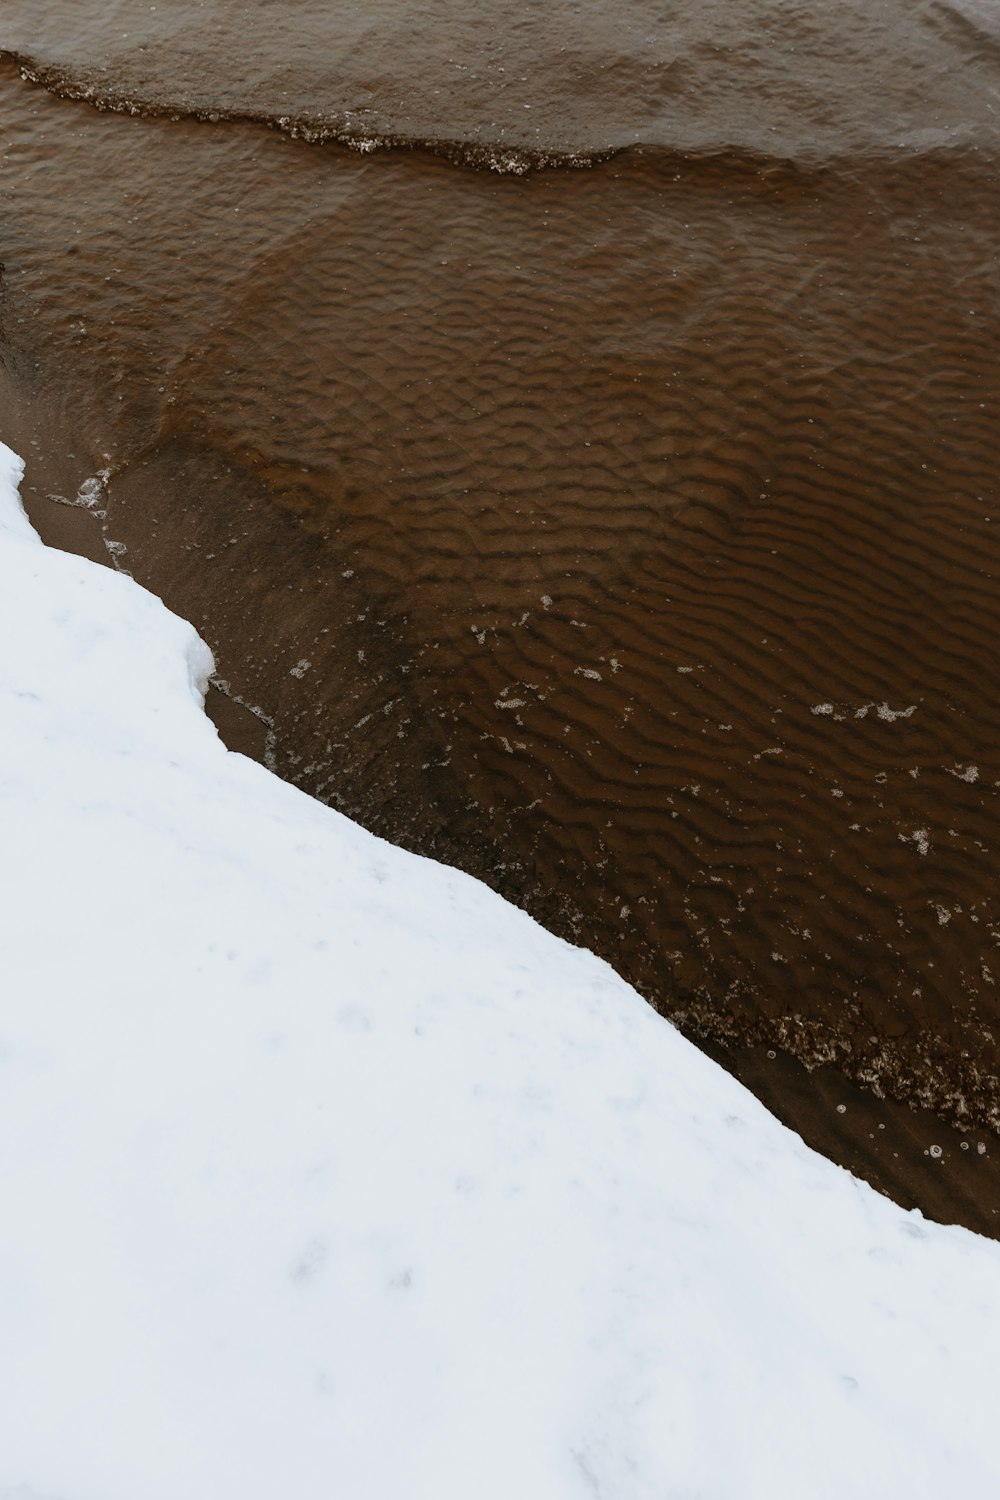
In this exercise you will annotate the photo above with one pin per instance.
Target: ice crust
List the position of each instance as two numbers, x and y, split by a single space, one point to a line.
326 1173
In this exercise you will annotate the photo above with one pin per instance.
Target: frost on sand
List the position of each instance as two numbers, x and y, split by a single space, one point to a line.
325 1173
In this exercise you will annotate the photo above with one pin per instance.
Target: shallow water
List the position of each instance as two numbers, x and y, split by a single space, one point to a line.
779 78
624 532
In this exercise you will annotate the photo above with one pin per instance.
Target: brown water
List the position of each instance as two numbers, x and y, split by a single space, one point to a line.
622 529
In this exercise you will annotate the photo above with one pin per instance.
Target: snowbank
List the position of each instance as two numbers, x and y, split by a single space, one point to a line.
325 1173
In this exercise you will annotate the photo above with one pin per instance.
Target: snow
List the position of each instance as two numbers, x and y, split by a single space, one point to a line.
326 1173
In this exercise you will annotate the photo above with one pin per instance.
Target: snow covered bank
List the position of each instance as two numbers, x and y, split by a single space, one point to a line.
325 1173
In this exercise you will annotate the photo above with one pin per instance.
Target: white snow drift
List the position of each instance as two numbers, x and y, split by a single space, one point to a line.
326 1175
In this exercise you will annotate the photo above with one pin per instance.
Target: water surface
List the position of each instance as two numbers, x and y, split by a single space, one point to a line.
580 451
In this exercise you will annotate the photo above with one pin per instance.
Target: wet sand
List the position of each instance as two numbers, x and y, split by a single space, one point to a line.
624 535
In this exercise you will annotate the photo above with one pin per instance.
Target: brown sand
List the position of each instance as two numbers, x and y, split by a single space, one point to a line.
625 536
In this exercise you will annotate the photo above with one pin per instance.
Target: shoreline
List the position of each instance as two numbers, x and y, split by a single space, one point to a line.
368 1153
883 1141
